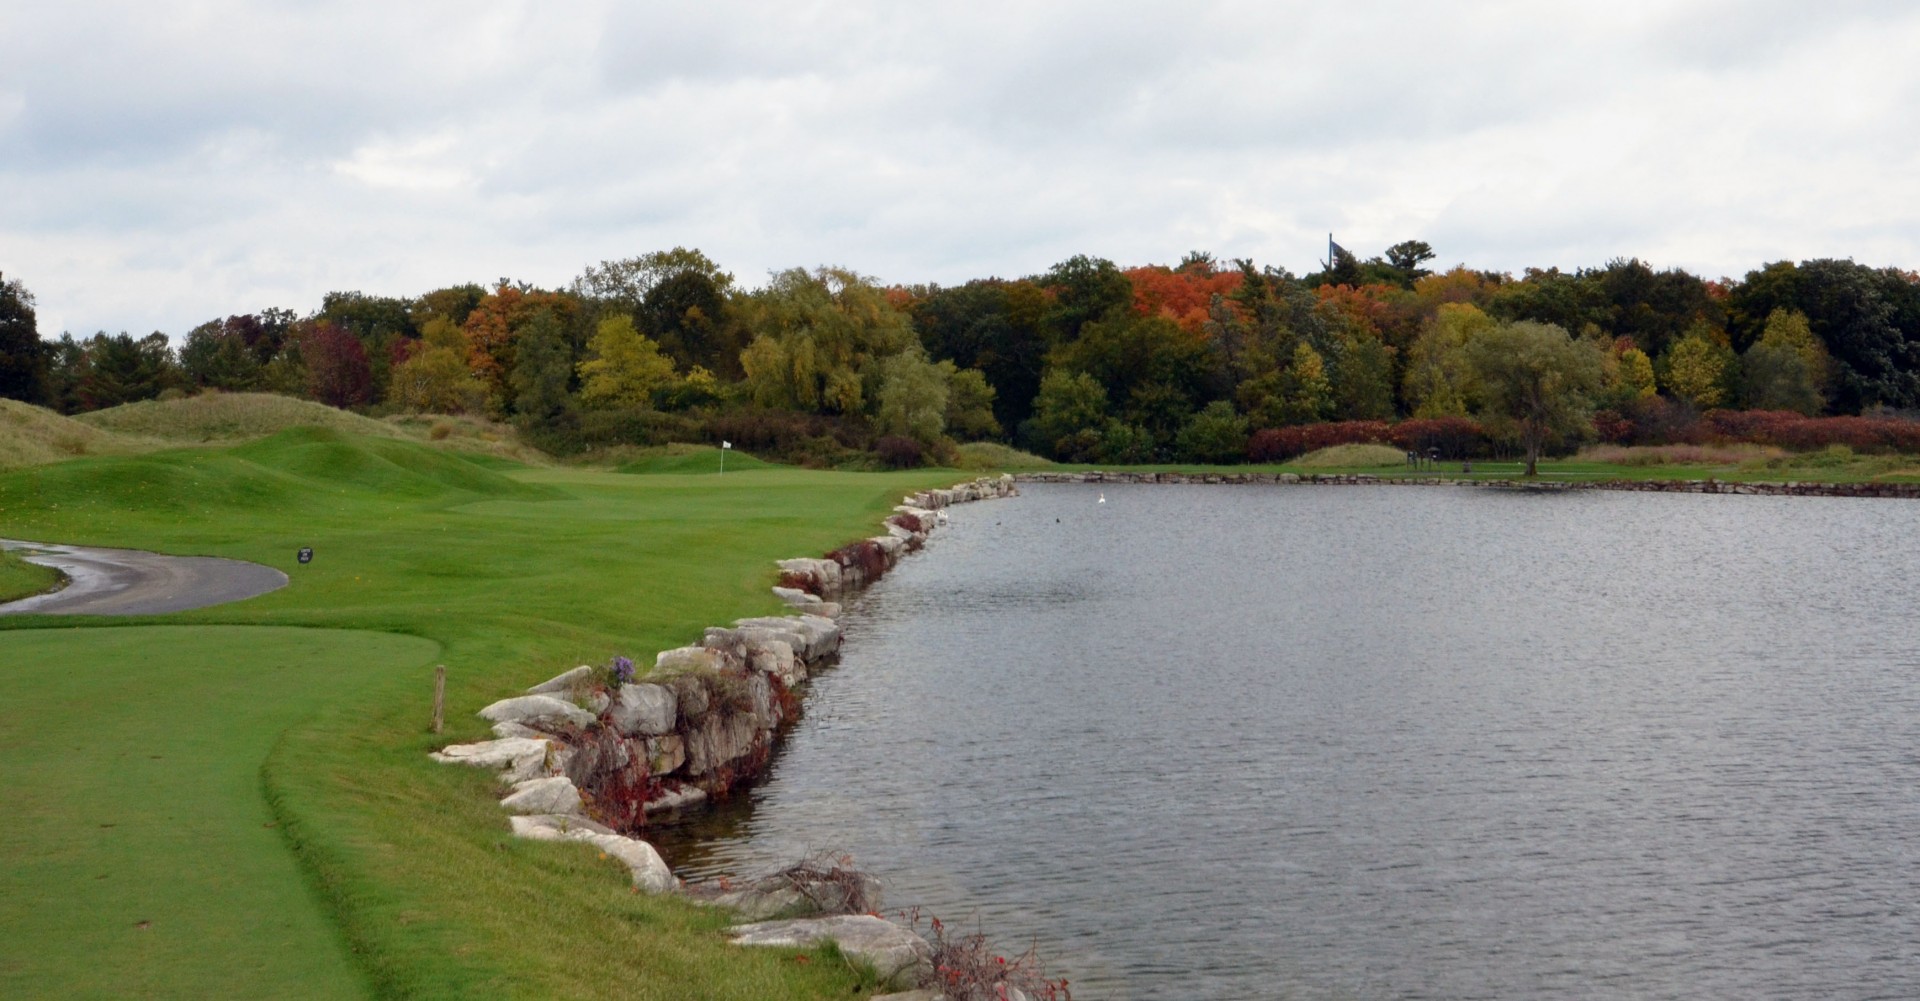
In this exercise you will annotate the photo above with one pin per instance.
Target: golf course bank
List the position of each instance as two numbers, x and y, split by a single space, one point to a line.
586 755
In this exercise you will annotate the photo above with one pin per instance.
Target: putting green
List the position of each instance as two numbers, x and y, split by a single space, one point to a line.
136 833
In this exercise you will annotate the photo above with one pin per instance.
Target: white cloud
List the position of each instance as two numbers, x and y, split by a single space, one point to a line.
164 166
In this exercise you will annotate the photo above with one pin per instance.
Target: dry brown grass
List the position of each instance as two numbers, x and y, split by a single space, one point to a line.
33 436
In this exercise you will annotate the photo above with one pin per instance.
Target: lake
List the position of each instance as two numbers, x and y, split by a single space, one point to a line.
1378 742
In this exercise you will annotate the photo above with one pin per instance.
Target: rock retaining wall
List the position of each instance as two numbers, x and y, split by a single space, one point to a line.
1789 489
581 757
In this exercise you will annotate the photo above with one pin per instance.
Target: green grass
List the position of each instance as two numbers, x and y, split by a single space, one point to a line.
142 859
995 456
512 576
692 459
20 579
228 417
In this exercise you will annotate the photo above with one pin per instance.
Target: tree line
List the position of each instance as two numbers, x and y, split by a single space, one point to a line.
1087 361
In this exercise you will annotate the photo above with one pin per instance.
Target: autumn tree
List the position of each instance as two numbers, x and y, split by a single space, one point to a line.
1632 377
494 327
1535 383
1697 368
625 368
338 373
436 379
1787 367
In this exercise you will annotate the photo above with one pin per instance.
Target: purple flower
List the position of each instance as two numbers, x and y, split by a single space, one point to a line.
622 668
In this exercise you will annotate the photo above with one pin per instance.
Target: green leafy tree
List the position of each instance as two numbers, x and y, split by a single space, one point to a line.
969 403
1217 434
819 338
1406 258
119 369
24 357
1068 403
680 298
1439 381
542 369
216 355
1362 378
913 397
1536 383
625 367
1786 368
1124 444
1305 394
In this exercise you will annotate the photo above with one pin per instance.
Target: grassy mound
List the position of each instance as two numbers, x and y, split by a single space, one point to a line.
226 417
294 472
33 436
1352 456
993 455
337 462
691 459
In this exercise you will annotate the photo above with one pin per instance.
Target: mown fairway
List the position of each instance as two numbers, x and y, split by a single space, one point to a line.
381 874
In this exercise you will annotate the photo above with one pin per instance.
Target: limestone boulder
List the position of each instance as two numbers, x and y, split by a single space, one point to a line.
899 956
563 684
512 729
676 796
644 710
689 658
515 758
649 871
797 893
776 659
665 754
720 739
541 712
555 795
766 709
822 577
690 695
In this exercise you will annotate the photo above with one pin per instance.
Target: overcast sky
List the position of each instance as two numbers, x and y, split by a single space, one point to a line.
164 164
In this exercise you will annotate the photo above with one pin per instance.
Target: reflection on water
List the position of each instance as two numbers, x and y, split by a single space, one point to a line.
1233 742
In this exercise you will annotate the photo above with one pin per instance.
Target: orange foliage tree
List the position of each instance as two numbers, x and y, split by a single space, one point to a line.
1183 295
491 327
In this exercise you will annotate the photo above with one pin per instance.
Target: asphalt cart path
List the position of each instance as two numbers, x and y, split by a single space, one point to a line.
132 582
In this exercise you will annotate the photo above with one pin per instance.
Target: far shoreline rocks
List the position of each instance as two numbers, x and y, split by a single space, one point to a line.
1708 486
586 756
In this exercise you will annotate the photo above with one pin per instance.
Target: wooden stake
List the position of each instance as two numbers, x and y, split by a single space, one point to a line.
439 695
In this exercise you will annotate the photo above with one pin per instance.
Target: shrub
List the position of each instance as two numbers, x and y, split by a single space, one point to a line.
899 451
1455 437
1281 444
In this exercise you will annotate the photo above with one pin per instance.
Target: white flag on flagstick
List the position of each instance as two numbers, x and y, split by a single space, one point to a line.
726 444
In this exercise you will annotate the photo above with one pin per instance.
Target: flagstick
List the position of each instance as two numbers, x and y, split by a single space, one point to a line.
723 462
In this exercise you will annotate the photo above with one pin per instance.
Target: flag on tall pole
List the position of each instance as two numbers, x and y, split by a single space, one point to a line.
724 445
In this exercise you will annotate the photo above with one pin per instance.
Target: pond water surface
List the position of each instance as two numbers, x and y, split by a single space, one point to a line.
1376 742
